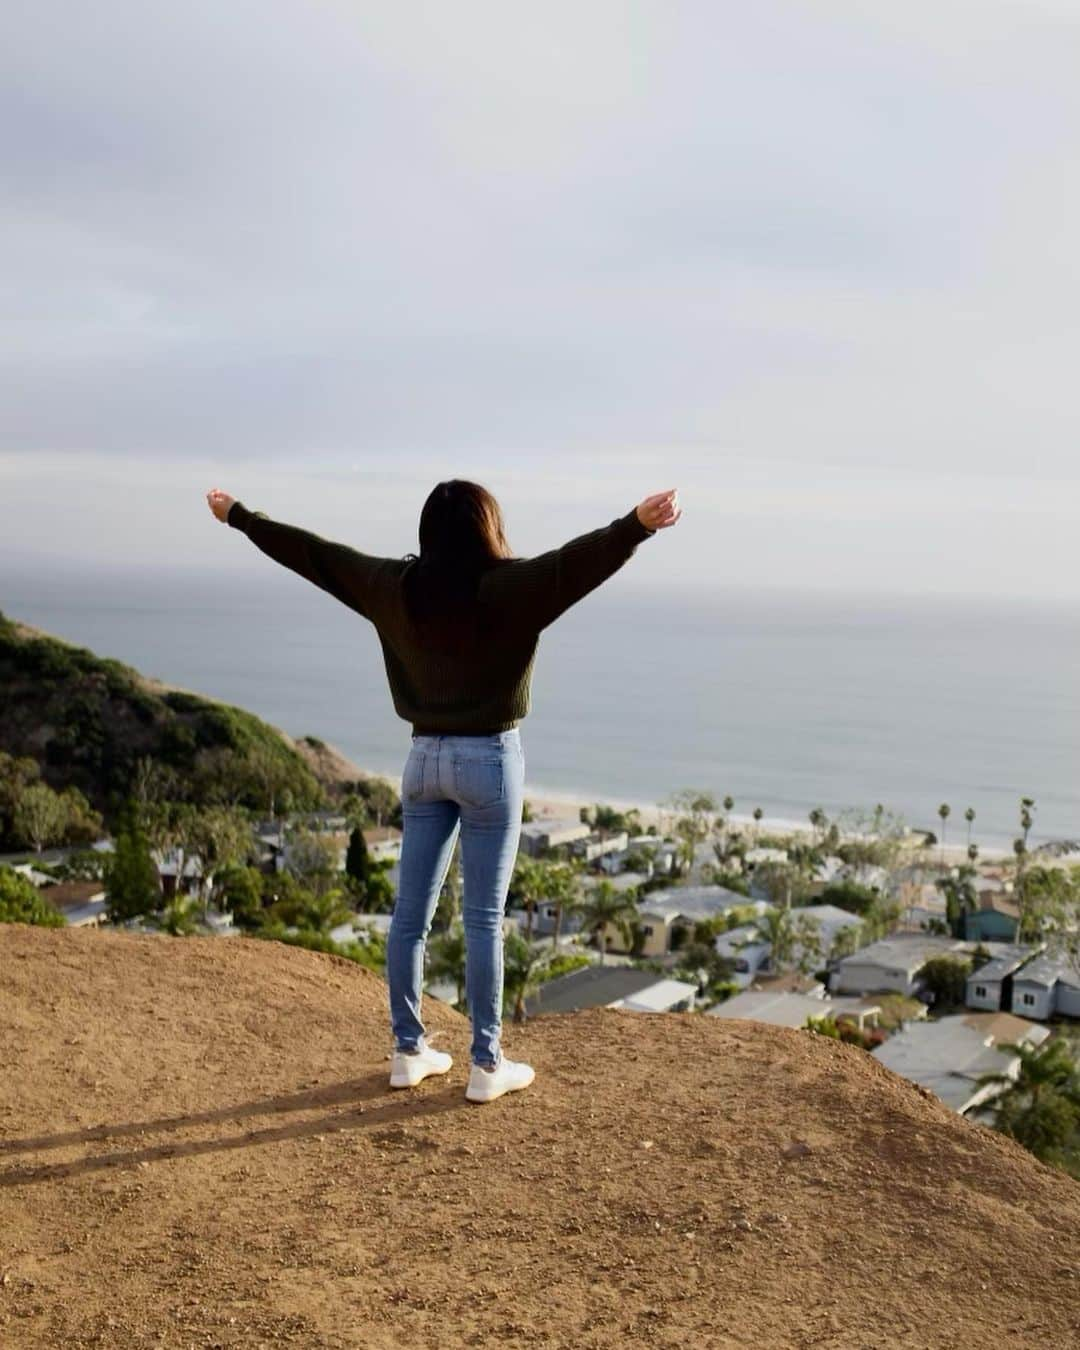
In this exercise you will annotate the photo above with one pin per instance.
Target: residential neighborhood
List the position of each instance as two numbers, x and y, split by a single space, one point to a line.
919 964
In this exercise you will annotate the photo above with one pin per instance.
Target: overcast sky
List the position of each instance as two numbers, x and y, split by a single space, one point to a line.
814 262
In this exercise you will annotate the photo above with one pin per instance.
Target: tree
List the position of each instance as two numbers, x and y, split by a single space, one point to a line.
132 884
20 902
783 882
40 816
850 895
528 885
605 907
446 959
524 967
562 887
778 929
961 898
695 808
312 858
241 894
222 836
357 858
943 811
1040 1108
806 931
945 977
969 816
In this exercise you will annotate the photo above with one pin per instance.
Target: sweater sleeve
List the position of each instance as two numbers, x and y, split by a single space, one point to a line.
544 587
343 572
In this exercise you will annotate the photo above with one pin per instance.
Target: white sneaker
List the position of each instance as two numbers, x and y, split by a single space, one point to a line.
507 1076
408 1070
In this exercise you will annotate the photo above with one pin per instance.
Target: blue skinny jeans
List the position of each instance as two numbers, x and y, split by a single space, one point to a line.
475 784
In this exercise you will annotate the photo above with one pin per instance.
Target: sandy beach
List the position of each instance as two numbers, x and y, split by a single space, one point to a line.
551 805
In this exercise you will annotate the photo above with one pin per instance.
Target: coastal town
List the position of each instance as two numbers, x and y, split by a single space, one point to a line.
958 975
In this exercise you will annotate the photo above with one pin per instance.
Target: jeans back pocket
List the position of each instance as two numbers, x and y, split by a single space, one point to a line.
479 782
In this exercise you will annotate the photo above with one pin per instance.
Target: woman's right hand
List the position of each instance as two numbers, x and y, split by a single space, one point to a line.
660 510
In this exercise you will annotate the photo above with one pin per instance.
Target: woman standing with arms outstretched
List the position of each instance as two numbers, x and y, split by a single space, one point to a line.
459 627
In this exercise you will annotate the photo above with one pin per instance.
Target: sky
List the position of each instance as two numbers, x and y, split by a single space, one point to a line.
813 262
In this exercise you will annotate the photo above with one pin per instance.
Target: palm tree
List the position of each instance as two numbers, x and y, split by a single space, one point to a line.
446 959
563 889
529 881
758 813
943 811
605 907
523 970
969 816
958 888
322 912
777 928
819 820
1040 1108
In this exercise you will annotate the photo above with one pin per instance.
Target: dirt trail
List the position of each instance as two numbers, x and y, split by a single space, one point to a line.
198 1148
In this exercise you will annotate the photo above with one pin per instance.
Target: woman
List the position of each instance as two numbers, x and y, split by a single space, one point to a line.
459 627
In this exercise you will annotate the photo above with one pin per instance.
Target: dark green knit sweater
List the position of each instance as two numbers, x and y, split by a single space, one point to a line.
483 687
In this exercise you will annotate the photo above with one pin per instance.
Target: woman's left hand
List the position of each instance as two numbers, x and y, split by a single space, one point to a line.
220 503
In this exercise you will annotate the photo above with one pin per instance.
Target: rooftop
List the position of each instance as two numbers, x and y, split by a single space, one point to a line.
949 1055
590 987
785 1009
1048 968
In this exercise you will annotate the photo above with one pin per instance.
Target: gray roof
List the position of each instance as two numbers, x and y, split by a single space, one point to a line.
911 951
693 902
590 987
1048 969
948 1056
785 1009
1005 963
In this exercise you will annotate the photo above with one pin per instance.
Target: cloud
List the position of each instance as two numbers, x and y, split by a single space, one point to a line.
811 236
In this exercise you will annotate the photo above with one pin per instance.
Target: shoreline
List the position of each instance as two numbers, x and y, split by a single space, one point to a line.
560 804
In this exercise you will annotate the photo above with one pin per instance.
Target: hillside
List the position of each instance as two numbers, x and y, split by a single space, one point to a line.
197 1147
87 720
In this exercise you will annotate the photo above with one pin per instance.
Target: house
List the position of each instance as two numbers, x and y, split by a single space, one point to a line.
923 906
990 987
746 948
667 916
663 851
1047 986
948 1056
997 918
537 836
32 875
168 865
383 843
82 903
663 996
831 921
754 856
596 846
609 987
892 964
785 1009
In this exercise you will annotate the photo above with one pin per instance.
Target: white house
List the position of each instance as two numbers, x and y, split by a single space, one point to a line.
990 987
1047 986
539 835
892 964
746 948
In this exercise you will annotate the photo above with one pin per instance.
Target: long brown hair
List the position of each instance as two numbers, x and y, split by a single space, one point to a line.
462 535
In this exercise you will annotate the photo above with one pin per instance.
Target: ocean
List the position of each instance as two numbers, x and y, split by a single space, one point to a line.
785 701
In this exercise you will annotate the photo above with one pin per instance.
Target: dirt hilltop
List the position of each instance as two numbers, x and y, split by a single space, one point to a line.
198 1148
